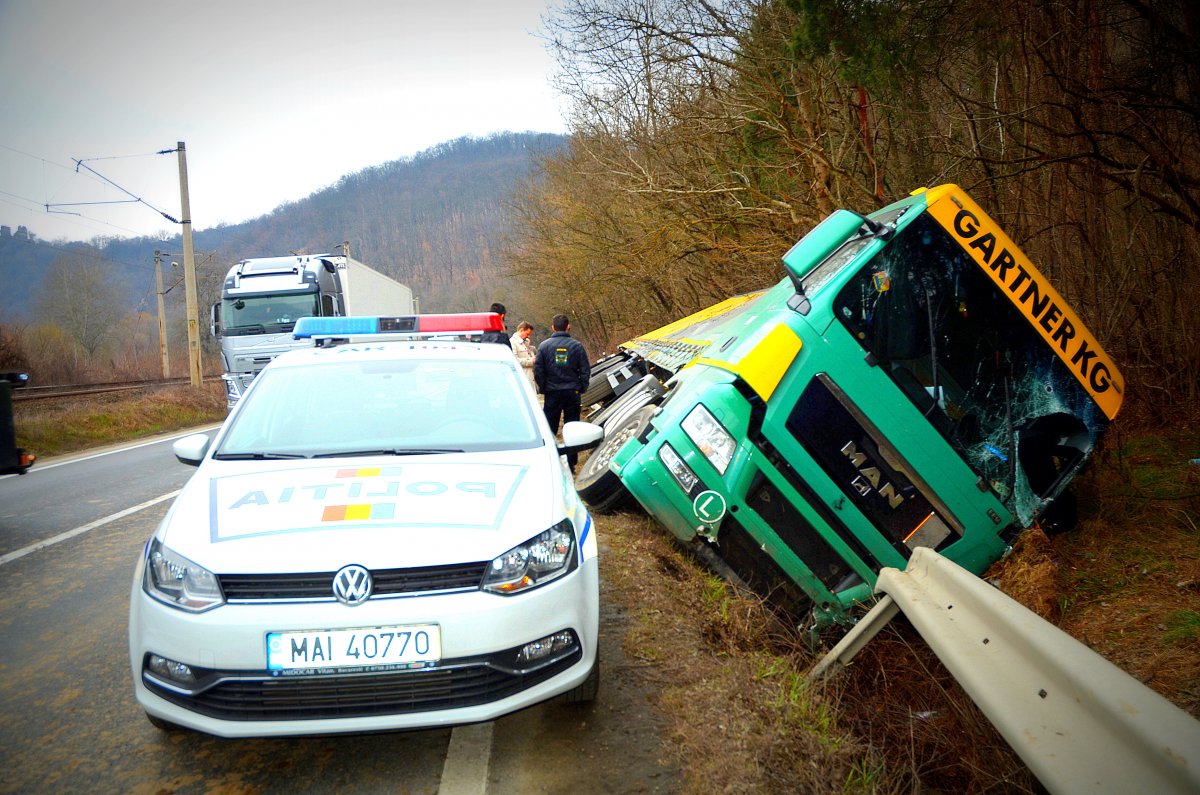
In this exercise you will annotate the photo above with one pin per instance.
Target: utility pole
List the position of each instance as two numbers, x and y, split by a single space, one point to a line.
162 320
189 271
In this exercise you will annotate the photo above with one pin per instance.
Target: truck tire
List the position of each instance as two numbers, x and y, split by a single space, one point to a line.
599 390
596 483
649 390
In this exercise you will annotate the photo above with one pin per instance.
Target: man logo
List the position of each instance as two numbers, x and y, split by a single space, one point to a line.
352 585
870 478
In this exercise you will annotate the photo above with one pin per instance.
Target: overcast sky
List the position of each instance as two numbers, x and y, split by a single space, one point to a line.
274 100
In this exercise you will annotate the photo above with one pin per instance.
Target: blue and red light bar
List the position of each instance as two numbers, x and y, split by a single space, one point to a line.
461 324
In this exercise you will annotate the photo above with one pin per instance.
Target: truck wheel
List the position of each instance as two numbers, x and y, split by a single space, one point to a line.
596 483
648 390
599 389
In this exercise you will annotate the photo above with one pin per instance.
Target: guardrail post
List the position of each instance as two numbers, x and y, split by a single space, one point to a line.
856 639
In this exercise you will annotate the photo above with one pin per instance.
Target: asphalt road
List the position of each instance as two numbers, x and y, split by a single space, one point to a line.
71 492
70 534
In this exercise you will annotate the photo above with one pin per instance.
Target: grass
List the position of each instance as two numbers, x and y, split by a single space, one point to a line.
730 677
51 428
1128 580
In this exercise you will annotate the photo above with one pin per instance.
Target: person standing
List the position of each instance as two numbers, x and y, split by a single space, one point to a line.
561 372
497 336
523 349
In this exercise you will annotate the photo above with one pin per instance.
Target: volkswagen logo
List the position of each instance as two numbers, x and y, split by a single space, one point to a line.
352 585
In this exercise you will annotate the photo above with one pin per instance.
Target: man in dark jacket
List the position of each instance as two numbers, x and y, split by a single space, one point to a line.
497 336
561 372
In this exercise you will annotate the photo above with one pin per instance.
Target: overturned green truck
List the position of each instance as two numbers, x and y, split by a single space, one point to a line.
914 381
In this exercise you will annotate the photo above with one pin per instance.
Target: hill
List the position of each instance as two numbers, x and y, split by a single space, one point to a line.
431 221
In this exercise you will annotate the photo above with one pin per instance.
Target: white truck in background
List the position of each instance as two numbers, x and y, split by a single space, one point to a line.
262 298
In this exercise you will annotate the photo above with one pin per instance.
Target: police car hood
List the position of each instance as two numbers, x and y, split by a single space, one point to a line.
239 517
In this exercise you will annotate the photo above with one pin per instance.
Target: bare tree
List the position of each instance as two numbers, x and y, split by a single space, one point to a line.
709 135
80 296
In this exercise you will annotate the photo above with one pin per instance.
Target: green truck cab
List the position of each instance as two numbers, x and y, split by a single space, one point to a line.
913 382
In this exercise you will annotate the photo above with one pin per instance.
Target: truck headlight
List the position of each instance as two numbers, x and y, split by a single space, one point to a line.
710 437
177 581
545 557
683 474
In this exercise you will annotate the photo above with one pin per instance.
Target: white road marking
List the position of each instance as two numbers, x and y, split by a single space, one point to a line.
465 771
20 553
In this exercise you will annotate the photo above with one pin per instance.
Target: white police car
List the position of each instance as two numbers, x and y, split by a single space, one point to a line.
382 535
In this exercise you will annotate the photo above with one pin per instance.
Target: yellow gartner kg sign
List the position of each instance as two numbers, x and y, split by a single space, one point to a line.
1031 293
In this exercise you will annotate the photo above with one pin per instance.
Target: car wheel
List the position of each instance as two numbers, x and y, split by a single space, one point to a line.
596 483
162 725
586 690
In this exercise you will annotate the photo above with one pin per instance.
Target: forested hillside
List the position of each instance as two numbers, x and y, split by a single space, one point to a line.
433 221
709 137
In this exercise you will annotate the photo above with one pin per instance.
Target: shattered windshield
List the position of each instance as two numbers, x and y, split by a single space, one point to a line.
267 313
970 362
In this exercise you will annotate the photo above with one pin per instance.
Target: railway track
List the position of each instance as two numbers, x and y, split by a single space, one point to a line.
60 391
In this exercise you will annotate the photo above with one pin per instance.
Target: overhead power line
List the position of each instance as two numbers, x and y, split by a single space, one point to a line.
134 198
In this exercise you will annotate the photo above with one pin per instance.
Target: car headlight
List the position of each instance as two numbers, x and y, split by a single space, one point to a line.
177 581
710 437
545 557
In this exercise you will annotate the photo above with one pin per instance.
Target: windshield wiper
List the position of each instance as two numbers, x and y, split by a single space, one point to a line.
389 451
256 456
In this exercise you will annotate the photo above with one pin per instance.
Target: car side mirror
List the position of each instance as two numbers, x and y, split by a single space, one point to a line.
579 436
190 450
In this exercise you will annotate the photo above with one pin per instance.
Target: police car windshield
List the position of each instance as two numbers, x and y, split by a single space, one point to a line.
383 407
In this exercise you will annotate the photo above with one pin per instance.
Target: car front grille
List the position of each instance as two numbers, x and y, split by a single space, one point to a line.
242 696
388 582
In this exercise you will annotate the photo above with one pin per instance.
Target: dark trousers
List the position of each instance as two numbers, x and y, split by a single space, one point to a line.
562 404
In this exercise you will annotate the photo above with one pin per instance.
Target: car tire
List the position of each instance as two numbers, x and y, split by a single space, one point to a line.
599 487
586 691
162 725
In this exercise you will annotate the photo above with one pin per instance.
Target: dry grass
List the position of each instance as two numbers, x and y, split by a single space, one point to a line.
729 676
63 426
1127 582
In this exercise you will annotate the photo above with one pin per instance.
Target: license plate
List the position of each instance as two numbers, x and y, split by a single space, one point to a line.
354 648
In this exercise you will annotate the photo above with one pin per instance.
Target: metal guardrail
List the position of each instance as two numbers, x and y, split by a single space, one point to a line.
1079 722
